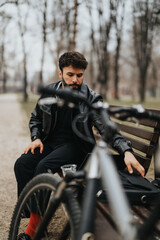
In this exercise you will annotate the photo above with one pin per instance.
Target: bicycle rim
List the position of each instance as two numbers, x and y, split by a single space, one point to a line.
36 195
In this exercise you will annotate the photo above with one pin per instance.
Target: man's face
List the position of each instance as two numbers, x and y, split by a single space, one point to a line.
72 77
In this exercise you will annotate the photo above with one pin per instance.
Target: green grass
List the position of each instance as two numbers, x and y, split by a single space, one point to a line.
28 106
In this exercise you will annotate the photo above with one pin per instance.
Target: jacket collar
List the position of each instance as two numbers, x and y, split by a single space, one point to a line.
59 84
47 107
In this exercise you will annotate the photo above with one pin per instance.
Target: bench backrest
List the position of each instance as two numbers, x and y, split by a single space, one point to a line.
143 136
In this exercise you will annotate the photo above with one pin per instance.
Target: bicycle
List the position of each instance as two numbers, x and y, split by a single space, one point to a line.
81 225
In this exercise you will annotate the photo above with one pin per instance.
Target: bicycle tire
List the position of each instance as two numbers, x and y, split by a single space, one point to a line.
46 184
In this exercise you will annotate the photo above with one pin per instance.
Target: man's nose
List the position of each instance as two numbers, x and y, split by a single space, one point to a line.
74 79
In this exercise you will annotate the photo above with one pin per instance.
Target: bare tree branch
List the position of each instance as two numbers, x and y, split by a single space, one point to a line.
7 2
145 20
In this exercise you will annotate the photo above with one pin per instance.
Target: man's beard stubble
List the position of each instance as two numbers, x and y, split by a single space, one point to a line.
75 85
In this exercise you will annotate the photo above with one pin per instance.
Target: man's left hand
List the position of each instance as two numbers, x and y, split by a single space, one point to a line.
131 162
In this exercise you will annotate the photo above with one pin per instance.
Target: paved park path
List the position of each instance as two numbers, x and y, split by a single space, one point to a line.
13 139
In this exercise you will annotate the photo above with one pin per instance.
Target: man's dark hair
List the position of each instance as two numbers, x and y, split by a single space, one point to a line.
76 59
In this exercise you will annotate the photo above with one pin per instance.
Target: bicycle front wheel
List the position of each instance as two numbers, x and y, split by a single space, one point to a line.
35 197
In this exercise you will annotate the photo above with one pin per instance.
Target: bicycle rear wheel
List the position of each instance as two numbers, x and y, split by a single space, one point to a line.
36 195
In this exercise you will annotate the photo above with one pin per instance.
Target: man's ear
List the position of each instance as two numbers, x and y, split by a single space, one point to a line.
60 74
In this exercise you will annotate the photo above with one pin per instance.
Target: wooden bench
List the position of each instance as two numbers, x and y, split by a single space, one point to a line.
144 138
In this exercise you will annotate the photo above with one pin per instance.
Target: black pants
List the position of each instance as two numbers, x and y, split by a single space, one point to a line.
52 157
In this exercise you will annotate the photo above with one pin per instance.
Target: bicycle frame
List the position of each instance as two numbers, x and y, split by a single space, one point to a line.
100 164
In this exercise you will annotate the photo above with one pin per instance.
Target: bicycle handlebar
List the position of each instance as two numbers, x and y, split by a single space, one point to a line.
122 113
136 111
67 94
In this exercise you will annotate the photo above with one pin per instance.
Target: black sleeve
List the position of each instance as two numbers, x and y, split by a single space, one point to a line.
35 123
118 141
96 120
120 144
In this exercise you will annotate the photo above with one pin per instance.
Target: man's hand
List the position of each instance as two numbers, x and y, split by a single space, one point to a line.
33 145
131 162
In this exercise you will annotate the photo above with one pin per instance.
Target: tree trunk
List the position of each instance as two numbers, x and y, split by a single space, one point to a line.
116 68
3 61
143 30
25 94
93 84
142 88
103 91
3 65
43 42
25 80
73 41
4 80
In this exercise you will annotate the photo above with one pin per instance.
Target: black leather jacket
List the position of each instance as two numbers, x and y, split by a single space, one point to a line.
44 116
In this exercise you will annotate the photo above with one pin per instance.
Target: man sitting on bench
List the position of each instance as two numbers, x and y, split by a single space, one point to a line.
53 141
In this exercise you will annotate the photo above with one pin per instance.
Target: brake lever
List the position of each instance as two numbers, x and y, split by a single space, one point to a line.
133 119
55 100
48 100
127 117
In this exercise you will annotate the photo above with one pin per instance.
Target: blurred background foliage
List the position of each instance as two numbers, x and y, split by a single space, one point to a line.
120 39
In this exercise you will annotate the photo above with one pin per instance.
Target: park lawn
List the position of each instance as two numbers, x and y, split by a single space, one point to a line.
29 105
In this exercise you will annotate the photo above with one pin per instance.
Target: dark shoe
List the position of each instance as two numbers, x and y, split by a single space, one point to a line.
24 236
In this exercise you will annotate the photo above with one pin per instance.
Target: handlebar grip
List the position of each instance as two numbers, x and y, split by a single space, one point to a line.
125 112
47 90
67 94
153 116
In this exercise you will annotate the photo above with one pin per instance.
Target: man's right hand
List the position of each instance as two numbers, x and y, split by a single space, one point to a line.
33 145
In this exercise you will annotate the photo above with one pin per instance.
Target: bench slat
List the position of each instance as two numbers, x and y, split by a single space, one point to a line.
103 226
148 123
105 210
142 133
143 147
144 213
139 213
